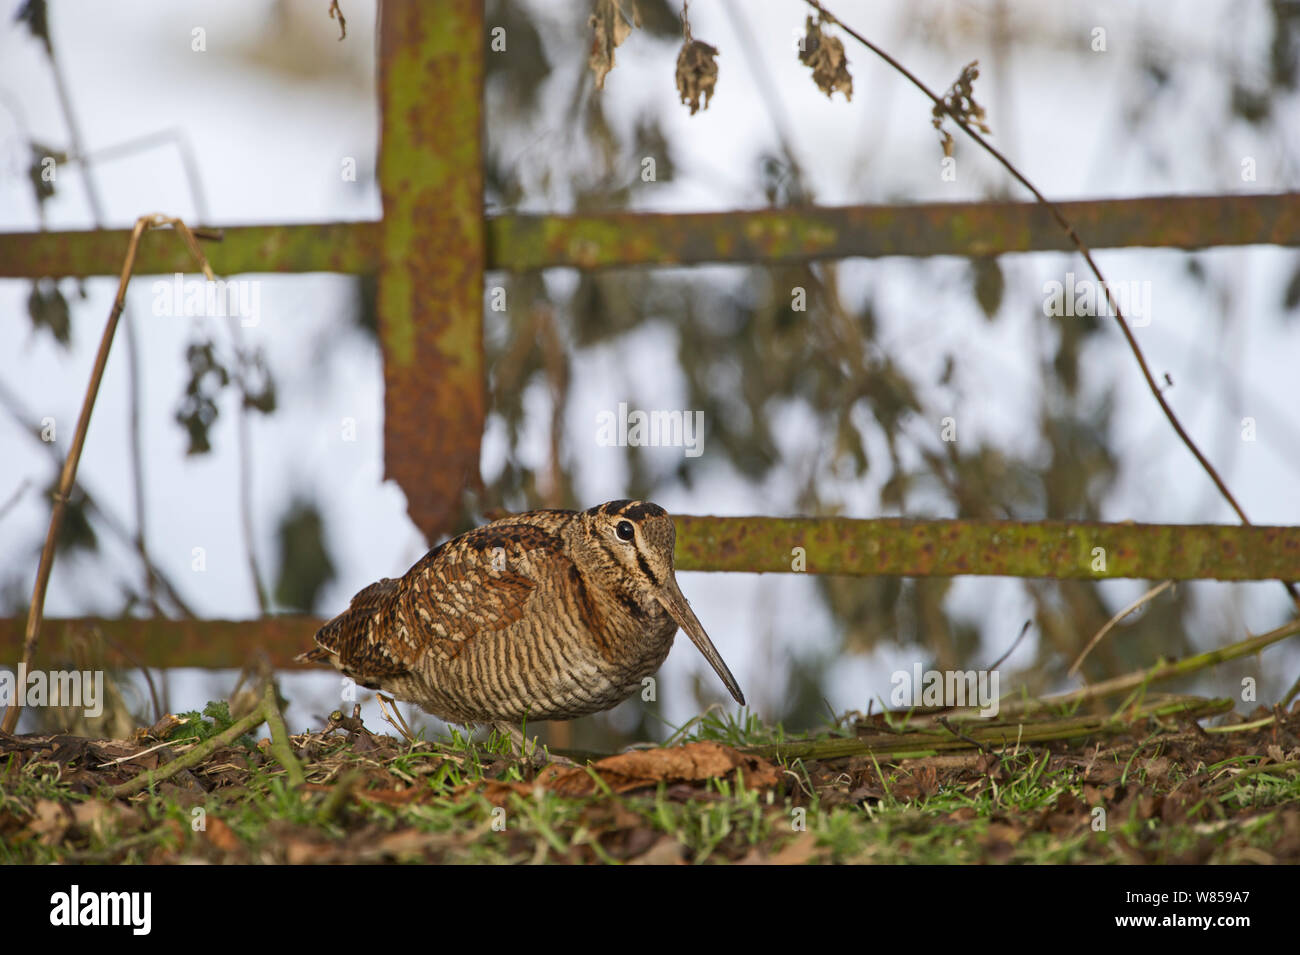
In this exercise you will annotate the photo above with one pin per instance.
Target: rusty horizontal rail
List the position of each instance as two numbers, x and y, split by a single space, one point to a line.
1064 550
347 247
969 228
886 546
517 243
163 642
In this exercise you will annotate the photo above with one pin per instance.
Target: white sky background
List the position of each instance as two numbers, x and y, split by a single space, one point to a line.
269 144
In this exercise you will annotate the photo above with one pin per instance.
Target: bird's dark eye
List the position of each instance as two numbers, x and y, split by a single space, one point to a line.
625 531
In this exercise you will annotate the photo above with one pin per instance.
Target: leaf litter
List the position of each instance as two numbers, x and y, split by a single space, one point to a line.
1168 791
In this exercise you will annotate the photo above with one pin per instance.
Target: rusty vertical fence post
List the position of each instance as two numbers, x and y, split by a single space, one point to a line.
430 296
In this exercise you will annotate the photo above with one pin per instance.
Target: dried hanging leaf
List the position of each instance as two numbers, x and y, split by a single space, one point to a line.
697 73
945 141
76 533
959 101
256 382
989 284
825 55
609 27
305 565
198 408
48 309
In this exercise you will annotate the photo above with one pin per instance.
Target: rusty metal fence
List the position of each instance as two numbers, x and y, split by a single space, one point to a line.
429 253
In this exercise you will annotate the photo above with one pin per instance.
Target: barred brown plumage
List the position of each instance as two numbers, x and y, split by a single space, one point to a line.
545 615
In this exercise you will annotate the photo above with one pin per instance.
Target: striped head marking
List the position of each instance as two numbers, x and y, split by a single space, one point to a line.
634 540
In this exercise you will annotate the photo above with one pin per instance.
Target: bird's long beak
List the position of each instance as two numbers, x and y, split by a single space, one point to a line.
670 596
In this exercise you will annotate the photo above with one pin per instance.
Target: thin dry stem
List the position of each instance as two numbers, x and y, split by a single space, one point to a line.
23 417
132 349
1110 624
1161 671
69 473
14 498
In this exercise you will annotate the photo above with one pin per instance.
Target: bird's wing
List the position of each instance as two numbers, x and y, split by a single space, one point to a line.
349 641
480 582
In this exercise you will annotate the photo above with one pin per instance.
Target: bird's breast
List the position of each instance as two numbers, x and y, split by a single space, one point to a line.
547 669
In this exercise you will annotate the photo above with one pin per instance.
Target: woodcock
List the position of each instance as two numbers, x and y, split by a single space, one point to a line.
545 615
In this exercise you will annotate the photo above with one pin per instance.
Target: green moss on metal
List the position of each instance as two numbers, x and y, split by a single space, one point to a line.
431 278
350 247
623 239
430 172
159 642
985 228
1080 551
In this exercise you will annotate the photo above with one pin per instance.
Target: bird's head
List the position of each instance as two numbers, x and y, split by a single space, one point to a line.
633 541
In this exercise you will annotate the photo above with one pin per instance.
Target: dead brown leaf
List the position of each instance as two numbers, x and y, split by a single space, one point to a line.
677 766
959 102
694 762
100 818
303 852
609 28
1098 795
393 797
159 730
497 791
406 843
1001 840
825 56
50 821
667 851
1157 770
1104 772
628 843
221 836
1066 814
1001 832
697 73
1149 805
800 850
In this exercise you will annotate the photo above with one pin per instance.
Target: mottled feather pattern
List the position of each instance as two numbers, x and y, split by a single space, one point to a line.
549 614
349 636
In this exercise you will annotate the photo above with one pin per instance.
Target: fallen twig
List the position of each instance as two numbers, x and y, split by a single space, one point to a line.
267 711
281 747
338 796
1245 727
1161 671
145 752
195 756
980 734
1228 783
